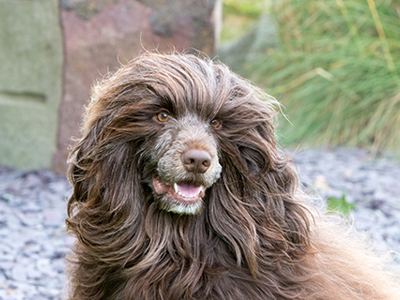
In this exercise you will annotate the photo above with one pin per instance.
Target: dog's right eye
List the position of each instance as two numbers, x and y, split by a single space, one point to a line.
162 117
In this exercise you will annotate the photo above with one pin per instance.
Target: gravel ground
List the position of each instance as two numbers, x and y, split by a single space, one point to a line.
33 208
372 185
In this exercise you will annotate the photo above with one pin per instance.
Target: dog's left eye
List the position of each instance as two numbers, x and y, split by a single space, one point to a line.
215 123
162 117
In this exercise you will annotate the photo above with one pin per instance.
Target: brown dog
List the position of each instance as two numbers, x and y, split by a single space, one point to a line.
180 192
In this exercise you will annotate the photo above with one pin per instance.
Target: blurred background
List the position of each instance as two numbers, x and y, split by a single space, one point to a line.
333 64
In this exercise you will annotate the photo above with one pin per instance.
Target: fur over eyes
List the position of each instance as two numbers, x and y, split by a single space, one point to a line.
247 232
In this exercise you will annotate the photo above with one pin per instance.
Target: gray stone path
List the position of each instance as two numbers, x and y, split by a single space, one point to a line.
32 234
373 185
33 243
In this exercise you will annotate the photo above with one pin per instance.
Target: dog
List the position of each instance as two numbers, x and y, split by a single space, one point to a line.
180 191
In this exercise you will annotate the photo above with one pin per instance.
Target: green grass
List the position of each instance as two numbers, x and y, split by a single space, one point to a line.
340 205
248 8
336 72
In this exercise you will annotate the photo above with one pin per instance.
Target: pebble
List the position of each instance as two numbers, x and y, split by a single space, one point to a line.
33 242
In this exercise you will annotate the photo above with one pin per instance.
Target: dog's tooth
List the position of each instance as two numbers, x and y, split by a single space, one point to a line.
200 189
176 188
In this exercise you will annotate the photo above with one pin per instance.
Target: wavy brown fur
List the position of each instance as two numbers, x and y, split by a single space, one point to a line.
253 239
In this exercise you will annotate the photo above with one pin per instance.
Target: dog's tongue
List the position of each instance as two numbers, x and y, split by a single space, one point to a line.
188 188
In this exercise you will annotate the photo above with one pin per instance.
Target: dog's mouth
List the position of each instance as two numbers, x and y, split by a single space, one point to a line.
186 192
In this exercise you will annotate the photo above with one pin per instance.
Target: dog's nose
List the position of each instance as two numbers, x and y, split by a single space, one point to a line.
196 161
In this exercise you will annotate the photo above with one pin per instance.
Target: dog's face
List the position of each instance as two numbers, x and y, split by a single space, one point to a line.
182 122
186 154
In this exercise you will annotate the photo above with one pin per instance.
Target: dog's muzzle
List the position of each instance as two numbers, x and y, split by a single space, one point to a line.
187 168
196 162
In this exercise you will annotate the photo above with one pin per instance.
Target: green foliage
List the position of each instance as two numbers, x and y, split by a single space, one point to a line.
340 205
234 26
336 72
249 8
238 16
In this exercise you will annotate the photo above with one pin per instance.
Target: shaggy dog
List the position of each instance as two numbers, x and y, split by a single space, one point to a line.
180 192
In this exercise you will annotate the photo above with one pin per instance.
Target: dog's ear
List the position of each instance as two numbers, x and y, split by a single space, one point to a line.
277 185
105 171
259 216
257 190
86 160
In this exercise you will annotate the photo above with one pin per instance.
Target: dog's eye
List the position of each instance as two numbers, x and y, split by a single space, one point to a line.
162 117
215 123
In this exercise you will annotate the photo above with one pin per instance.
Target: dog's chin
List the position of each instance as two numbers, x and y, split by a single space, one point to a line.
179 197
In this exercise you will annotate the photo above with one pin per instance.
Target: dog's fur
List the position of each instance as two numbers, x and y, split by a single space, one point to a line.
249 236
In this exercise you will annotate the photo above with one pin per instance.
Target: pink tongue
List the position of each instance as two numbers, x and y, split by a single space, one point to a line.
188 189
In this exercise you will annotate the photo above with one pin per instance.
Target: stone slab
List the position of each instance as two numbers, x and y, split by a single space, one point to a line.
101 35
31 57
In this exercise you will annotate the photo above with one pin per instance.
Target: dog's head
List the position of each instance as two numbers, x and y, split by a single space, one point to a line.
178 156
182 125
